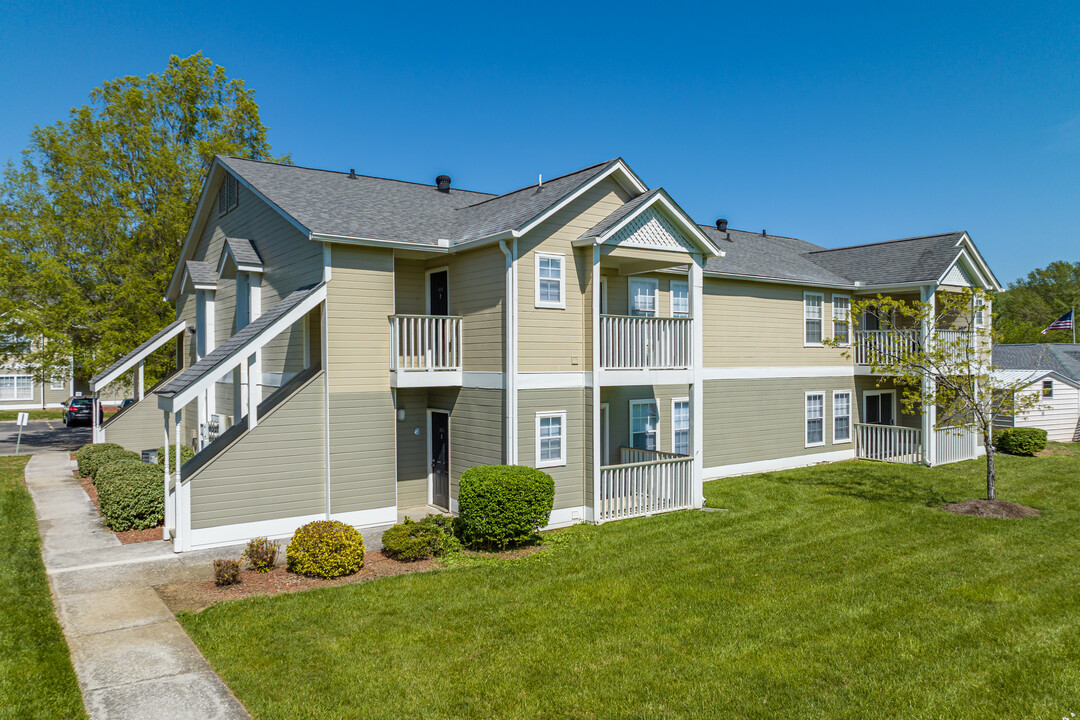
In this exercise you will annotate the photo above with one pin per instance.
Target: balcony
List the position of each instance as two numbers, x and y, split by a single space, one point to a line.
887 345
892 443
425 351
645 482
645 343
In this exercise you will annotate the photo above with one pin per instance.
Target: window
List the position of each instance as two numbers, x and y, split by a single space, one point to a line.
813 309
644 419
1048 389
550 439
550 280
980 311
680 426
815 419
680 298
16 387
643 292
228 195
14 345
841 318
57 383
841 416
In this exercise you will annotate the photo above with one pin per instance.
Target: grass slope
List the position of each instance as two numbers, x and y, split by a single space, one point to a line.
36 677
836 591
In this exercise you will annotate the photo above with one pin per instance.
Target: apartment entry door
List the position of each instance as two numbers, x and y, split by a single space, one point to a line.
439 292
878 408
439 458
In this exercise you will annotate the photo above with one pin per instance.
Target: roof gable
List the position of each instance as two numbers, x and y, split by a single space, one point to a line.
651 221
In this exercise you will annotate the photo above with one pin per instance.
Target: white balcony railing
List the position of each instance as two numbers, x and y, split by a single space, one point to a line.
889 345
644 488
956 443
636 455
424 343
645 343
889 443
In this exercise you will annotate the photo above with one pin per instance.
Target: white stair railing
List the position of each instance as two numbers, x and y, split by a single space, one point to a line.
425 342
888 443
646 343
644 488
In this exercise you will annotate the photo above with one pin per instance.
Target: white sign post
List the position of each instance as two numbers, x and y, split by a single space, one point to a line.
21 421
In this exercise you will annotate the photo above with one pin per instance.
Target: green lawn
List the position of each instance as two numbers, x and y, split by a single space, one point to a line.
831 592
36 677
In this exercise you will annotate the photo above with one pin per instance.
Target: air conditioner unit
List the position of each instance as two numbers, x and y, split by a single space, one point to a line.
217 425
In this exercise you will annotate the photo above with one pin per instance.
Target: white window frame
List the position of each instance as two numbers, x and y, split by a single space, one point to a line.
654 285
674 430
892 404
807 418
850 404
671 309
806 318
57 383
561 304
979 313
15 387
561 460
630 419
835 319
1047 385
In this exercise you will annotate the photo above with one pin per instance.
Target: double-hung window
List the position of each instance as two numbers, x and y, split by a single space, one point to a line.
841 416
680 298
815 419
16 387
813 317
980 311
1048 389
550 438
841 318
643 296
550 280
57 383
644 421
680 426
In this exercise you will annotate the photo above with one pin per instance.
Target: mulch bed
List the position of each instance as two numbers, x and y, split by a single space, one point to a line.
128 536
1001 509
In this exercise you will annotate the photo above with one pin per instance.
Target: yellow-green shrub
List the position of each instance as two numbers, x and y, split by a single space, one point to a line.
326 549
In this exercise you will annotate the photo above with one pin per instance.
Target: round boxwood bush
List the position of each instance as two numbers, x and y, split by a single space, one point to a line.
131 495
186 453
1020 441
84 454
326 549
411 540
503 505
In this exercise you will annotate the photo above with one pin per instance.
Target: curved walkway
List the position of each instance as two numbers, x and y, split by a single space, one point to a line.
132 658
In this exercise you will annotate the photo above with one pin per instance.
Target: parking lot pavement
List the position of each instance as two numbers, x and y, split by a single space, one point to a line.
41 436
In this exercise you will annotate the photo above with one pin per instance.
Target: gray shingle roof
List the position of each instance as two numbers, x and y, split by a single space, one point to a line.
150 341
243 251
909 260
767 256
1060 358
201 273
189 376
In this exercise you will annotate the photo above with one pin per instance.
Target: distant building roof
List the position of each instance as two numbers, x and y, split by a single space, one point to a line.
1061 358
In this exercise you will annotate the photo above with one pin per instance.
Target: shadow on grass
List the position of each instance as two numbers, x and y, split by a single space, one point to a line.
875 482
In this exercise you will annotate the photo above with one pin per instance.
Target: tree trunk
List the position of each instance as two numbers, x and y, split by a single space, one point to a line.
991 474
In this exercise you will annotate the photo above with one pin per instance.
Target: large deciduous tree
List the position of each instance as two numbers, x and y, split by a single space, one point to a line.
93 215
1033 302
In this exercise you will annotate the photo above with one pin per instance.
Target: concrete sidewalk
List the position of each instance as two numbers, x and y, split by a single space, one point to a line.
132 658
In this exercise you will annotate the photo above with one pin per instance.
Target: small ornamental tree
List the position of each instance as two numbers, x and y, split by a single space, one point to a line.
935 365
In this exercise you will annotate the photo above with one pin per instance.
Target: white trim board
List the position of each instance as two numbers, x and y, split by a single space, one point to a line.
788 463
202 538
778 372
564 517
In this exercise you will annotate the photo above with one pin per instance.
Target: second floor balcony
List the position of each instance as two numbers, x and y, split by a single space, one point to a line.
645 343
425 351
885 346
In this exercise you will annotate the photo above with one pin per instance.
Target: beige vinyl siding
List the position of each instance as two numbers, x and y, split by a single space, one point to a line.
476 428
412 449
569 478
618 290
140 427
618 400
552 340
359 297
754 324
477 291
410 288
1058 415
756 420
274 471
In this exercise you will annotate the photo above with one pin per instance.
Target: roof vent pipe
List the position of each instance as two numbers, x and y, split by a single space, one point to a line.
721 225
763 233
443 182
352 173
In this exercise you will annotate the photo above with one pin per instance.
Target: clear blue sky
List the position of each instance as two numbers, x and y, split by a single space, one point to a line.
839 125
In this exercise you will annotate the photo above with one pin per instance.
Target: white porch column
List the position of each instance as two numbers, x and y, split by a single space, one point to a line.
597 430
929 410
697 389
95 408
179 517
254 311
170 508
253 393
140 382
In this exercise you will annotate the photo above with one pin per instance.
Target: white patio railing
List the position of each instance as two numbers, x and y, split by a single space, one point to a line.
888 345
425 342
955 443
647 343
888 443
644 488
636 455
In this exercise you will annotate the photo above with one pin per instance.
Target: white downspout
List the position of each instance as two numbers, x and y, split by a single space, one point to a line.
929 412
697 389
597 462
510 340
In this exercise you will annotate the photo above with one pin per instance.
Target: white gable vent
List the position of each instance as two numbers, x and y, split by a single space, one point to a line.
652 230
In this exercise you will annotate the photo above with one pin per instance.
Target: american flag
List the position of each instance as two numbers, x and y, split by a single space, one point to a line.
1065 322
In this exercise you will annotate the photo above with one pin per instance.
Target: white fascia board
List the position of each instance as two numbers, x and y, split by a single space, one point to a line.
376 242
986 280
229 362
977 257
616 166
138 358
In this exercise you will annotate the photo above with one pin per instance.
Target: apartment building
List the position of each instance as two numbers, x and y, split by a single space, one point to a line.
349 345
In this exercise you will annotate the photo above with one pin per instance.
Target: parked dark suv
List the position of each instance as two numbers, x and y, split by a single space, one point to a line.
79 411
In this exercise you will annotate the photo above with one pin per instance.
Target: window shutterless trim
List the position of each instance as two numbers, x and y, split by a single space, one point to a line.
847 320
654 285
15 387
806 296
807 418
630 418
837 393
671 308
561 304
674 402
561 460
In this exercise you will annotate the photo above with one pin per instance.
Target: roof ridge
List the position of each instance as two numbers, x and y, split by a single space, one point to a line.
359 175
753 232
887 242
529 187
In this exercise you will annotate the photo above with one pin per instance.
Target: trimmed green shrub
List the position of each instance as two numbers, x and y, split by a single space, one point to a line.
1020 441
410 540
99 461
84 454
226 572
326 549
186 453
261 554
131 495
503 505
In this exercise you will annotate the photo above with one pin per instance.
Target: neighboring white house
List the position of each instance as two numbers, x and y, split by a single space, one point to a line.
1058 411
